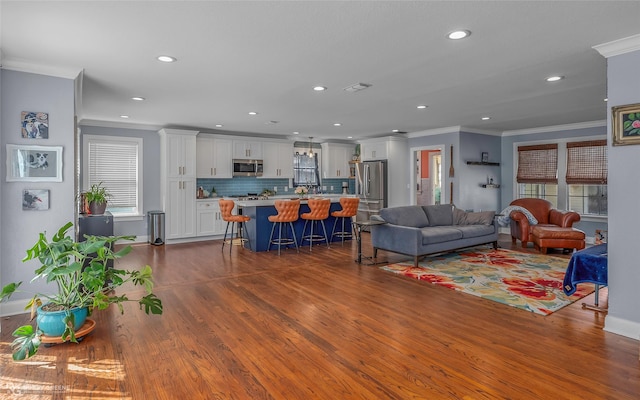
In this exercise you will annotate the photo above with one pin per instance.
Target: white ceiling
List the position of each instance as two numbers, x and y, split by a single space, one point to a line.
265 56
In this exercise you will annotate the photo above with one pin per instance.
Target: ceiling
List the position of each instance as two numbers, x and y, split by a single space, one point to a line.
234 57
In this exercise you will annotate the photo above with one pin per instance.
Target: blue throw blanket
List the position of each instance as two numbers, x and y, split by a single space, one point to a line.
504 219
588 265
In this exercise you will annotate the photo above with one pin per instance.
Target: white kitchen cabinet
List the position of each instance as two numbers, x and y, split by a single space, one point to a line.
335 160
213 158
373 151
180 208
209 218
247 149
278 160
178 181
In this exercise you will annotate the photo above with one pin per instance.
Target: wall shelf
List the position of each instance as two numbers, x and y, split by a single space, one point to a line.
493 164
490 186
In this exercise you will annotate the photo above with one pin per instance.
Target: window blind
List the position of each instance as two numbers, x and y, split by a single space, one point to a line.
116 166
587 162
538 164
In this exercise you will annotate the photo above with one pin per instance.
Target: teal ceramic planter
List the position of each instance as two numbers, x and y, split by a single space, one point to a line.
52 322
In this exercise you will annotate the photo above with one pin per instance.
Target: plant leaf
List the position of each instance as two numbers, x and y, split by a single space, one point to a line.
151 303
8 290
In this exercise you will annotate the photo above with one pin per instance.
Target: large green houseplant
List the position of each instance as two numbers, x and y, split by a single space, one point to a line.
81 272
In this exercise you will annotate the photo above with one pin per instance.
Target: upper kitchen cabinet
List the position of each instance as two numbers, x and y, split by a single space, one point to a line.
180 152
278 159
373 150
247 149
335 160
213 157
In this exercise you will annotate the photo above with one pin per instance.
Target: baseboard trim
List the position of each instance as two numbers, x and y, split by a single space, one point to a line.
622 327
13 307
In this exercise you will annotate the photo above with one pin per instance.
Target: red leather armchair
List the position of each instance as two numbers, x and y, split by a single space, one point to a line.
546 215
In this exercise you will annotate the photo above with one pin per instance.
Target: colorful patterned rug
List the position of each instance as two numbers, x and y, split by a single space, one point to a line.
531 282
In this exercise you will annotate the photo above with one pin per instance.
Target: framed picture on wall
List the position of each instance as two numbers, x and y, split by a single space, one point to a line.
626 124
34 163
35 125
35 199
485 157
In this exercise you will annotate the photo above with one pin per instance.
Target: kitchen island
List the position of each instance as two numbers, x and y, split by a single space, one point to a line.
258 228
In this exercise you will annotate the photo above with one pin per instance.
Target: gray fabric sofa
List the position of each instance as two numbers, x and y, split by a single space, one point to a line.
422 230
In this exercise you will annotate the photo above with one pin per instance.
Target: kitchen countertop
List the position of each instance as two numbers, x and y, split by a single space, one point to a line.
335 198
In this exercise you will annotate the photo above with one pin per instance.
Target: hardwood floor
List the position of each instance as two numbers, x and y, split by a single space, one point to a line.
319 326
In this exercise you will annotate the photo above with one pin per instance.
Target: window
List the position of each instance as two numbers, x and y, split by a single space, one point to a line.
587 176
117 163
305 170
538 172
571 175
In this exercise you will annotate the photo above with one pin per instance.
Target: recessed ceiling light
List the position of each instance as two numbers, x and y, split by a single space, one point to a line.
253 113
219 125
395 130
455 35
486 118
421 107
349 137
296 133
606 99
554 78
124 116
138 98
319 88
337 124
167 59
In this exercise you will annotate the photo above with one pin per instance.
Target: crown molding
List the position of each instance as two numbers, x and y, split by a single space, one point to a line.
556 128
618 47
49 70
437 131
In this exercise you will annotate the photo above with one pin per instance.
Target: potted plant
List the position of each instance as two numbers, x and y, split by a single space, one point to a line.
85 283
97 197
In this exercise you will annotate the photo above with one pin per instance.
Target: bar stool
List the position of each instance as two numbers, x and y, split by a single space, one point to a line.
319 211
287 213
349 210
226 208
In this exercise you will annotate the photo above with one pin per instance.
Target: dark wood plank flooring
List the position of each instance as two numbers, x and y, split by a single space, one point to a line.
319 326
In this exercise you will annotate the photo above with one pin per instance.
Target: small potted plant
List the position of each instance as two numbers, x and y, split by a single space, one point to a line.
97 197
85 282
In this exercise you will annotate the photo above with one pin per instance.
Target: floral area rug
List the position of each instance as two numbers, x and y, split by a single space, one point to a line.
531 282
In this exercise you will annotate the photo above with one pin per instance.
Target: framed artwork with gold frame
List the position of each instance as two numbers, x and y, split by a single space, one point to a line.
626 124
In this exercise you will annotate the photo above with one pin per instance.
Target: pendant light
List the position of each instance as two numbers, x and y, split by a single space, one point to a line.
310 148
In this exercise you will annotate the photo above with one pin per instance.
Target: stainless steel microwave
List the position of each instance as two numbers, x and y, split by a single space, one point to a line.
247 168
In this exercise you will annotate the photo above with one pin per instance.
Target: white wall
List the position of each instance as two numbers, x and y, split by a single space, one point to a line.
22 91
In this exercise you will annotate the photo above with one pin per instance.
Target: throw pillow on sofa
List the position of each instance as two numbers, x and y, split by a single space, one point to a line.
461 217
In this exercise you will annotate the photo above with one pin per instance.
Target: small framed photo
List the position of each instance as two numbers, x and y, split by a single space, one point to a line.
34 163
35 125
35 199
485 157
626 124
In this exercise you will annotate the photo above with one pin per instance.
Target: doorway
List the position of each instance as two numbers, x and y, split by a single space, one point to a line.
428 177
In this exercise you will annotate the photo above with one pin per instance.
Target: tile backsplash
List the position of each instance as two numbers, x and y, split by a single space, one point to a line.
244 185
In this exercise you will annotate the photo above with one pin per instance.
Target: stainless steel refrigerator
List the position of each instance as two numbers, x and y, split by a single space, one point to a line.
371 187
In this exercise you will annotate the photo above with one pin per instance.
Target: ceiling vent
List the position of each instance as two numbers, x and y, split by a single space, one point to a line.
357 87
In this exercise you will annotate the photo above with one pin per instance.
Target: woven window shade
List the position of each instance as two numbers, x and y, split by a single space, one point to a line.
587 162
538 164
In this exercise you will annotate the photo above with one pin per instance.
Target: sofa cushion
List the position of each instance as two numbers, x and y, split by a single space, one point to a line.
471 231
413 216
439 215
480 218
440 234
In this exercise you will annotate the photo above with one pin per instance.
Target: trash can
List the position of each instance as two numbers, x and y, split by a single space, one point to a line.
156 227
